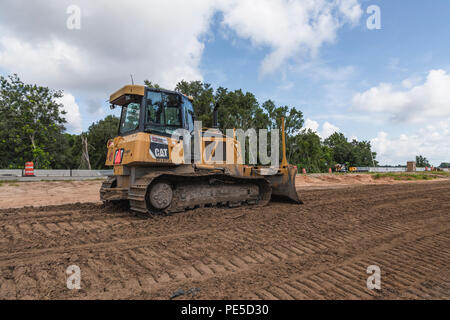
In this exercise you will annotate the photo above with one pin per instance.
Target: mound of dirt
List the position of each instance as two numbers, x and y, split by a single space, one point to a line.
336 180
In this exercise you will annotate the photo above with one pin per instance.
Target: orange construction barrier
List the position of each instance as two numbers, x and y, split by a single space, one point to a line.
29 169
330 171
304 171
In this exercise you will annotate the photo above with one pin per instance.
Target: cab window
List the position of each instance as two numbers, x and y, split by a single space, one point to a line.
188 115
130 117
163 109
155 110
172 109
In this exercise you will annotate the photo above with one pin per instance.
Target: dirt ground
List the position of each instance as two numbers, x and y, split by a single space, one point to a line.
47 193
319 250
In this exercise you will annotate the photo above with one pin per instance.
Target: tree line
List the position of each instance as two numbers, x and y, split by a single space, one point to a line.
32 128
422 162
239 109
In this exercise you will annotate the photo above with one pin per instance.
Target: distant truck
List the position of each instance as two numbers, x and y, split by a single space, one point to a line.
340 168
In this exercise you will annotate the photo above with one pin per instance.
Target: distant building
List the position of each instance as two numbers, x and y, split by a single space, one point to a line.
411 166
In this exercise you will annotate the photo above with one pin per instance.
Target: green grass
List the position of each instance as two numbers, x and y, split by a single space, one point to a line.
400 176
442 173
11 183
69 181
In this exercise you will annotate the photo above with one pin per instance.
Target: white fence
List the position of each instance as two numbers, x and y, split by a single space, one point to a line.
389 169
11 173
58 173
104 173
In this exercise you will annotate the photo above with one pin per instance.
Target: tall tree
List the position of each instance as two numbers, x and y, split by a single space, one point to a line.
97 136
340 147
355 153
310 153
293 118
66 152
361 154
204 101
31 122
422 162
239 110
150 84
293 124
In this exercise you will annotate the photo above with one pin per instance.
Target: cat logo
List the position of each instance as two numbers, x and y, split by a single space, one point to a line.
161 153
159 148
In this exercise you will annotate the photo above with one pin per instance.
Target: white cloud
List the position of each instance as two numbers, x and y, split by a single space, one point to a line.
54 62
159 40
152 40
327 128
419 103
311 124
411 82
287 85
155 40
351 10
73 116
289 28
432 141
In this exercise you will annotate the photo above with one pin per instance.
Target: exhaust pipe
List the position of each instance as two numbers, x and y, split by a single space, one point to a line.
216 117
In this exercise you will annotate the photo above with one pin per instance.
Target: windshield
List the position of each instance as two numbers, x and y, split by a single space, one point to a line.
130 117
163 113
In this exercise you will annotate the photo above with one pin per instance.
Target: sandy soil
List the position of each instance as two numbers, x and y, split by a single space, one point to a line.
318 181
318 250
21 194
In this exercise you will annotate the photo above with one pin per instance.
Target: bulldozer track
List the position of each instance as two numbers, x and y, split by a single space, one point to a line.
194 186
320 250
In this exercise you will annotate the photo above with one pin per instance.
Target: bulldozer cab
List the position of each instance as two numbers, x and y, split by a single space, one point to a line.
155 111
148 140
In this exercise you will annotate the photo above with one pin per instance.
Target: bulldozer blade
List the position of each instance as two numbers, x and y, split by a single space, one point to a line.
283 184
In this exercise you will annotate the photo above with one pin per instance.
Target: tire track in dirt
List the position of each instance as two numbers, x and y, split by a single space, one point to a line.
220 240
334 281
241 253
204 270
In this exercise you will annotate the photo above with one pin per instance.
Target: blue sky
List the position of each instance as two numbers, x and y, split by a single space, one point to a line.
388 86
410 44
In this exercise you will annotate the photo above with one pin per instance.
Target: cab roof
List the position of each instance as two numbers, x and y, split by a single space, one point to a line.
129 89
138 90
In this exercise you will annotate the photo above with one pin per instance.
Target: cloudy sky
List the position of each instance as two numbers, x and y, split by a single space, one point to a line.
390 85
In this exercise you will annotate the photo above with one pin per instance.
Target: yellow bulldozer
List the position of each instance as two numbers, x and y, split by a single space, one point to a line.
158 172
